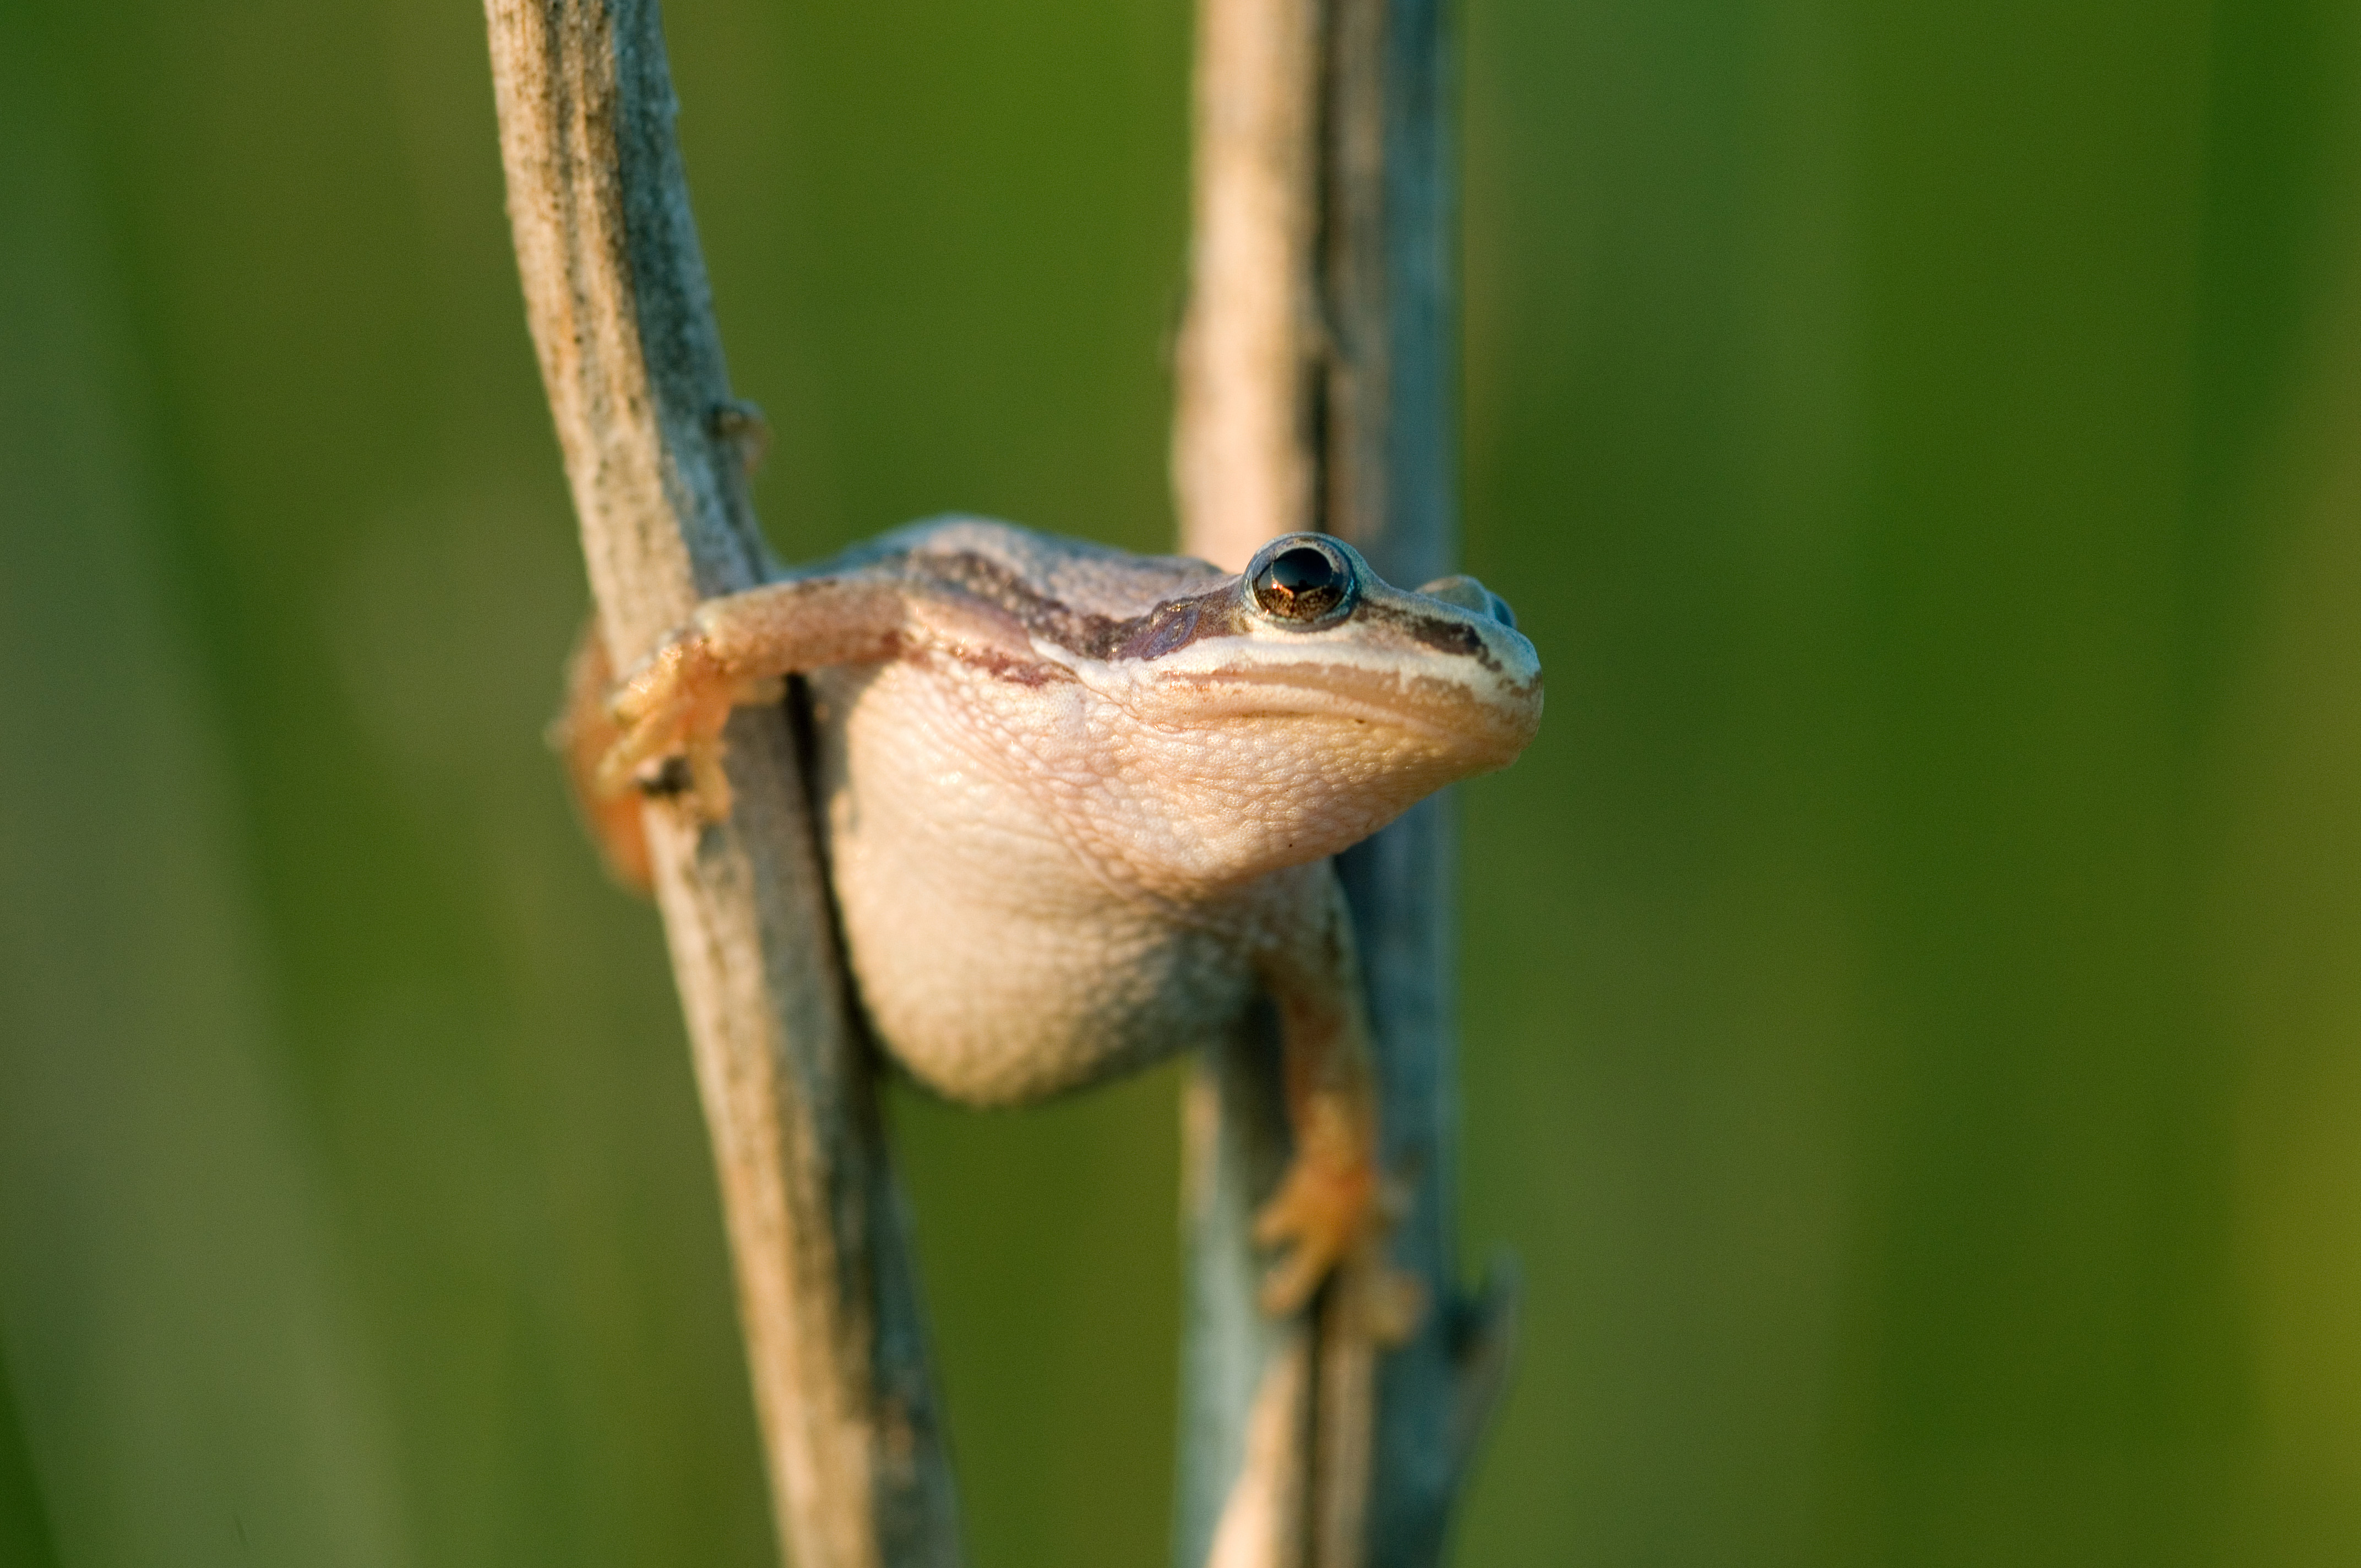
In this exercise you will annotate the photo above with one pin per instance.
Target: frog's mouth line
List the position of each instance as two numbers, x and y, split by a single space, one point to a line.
1451 714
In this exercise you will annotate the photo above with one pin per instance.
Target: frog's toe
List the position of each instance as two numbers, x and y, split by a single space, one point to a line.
1324 1212
674 705
664 733
708 782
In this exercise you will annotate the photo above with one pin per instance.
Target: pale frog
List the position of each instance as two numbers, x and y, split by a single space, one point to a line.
1078 804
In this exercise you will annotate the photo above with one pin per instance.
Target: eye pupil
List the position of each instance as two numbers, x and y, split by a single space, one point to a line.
1303 582
1301 569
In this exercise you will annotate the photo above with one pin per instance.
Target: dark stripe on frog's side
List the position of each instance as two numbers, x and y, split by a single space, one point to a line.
1170 626
1079 632
1176 624
1019 671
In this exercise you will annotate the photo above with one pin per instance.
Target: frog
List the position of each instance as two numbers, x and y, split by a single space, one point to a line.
1079 806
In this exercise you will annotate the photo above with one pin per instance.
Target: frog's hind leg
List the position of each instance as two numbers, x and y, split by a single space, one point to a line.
582 734
735 651
1329 1210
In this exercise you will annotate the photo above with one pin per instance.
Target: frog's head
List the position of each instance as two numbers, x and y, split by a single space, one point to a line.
1289 712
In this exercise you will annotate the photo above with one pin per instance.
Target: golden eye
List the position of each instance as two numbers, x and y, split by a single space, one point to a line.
1302 579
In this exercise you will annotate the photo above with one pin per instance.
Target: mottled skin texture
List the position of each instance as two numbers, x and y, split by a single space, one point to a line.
1078 804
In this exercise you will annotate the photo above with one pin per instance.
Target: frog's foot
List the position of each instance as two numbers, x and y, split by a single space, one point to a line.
1331 1212
1328 1216
1321 1213
674 705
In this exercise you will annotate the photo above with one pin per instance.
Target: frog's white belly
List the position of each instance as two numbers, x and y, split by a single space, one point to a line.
999 953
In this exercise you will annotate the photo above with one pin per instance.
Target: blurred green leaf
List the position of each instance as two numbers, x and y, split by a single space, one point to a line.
1912 983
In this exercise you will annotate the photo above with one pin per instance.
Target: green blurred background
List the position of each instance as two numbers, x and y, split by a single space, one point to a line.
1912 986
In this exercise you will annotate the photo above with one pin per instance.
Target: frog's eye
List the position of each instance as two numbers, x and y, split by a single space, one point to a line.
1302 579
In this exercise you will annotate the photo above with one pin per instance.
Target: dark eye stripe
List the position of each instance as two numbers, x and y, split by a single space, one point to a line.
1177 623
1434 631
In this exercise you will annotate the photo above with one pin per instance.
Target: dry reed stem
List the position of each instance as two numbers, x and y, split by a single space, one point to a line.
1317 370
617 299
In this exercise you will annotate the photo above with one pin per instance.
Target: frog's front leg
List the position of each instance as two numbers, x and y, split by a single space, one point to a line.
736 650
1329 1210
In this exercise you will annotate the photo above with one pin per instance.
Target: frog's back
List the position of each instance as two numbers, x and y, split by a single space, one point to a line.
1044 581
